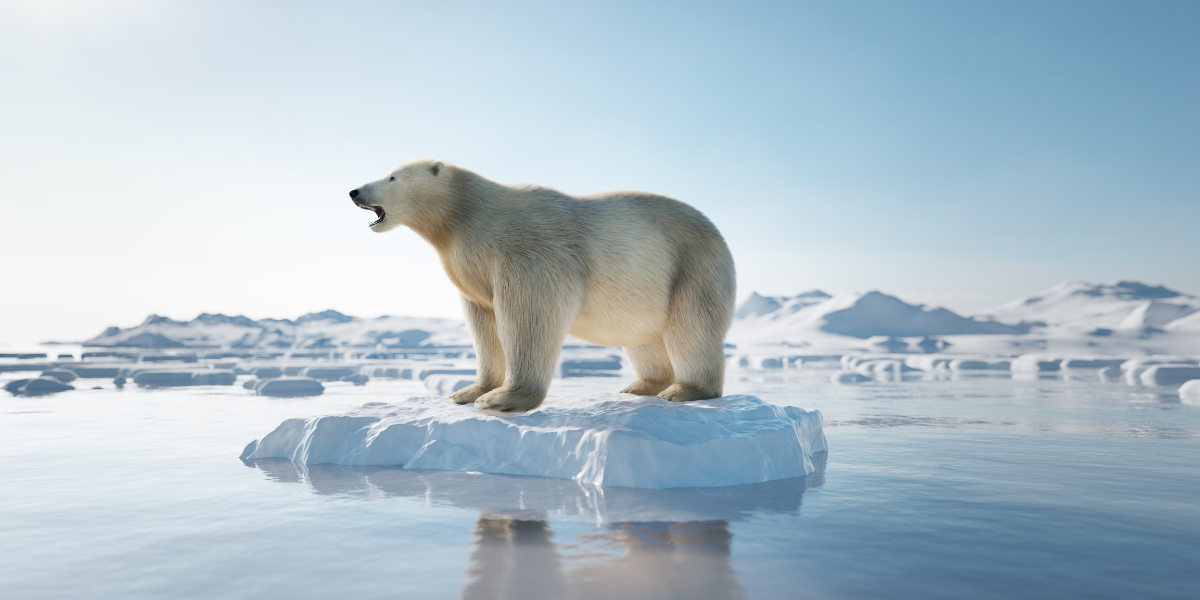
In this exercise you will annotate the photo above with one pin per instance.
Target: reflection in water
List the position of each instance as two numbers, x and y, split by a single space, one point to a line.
518 559
646 544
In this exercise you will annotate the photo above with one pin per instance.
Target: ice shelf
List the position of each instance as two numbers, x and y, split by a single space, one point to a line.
601 439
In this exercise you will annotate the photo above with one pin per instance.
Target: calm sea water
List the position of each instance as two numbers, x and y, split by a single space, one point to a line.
973 488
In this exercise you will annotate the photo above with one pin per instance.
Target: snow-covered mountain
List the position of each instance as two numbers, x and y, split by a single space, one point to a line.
1072 309
327 329
803 319
1082 307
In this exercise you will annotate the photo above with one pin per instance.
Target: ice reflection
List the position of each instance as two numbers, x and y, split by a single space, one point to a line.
644 544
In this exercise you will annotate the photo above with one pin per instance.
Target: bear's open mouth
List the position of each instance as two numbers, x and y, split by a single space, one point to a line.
378 212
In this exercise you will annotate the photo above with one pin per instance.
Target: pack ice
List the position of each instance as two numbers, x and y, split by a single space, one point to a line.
602 439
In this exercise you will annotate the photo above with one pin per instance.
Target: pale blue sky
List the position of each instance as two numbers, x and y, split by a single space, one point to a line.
179 157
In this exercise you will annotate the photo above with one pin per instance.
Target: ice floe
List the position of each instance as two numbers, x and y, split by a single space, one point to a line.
40 386
286 387
602 439
1189 392
1176 374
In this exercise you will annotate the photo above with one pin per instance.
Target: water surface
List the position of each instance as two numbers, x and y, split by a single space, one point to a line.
979 487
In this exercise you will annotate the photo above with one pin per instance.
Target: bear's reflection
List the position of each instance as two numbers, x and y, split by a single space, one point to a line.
647 543
516 558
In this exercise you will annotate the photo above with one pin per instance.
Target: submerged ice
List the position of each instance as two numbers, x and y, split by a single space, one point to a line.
602 439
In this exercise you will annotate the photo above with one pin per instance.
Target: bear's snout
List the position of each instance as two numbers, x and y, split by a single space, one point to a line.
353 194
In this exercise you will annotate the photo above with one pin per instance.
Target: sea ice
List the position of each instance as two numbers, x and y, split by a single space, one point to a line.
444 371
153 378
960 364
36 387
327 373
63 375
444 385
1170 374
1189 392
1035 364
848 377
288 387
602 439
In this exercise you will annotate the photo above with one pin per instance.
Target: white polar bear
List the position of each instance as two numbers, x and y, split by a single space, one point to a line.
631 269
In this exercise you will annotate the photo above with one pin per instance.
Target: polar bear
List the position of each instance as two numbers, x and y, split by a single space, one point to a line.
631 269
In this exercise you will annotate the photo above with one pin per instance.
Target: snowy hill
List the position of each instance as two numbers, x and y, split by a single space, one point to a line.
807 318
327 329
1118 312
1081 307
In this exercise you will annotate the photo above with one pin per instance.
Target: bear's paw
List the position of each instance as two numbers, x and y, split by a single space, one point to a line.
682 392
507 399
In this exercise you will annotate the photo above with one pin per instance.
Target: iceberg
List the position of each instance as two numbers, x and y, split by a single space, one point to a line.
40 386
1170 374
1189 392
287 387
601 439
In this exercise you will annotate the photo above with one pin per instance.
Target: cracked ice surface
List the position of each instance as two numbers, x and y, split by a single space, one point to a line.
602 439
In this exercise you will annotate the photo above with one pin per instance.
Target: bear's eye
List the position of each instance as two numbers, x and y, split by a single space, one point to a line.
392 179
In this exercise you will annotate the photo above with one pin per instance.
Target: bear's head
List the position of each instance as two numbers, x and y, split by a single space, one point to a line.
405 195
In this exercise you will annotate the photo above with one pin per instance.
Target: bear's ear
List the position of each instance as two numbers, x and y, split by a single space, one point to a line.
436 168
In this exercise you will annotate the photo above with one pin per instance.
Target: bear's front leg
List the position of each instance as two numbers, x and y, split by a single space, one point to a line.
489 354
532 321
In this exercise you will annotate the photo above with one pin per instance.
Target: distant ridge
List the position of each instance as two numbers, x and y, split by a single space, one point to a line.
325 329
1070 308
1083 307
763 319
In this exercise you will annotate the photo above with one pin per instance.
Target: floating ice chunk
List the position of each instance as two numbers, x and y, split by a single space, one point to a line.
1170 374
63 375
36 387
605 366
444 385
357 379
289 387
386 372
960 364
874 367
603 439
163 378
1189 392
327 373
96 372
1110 374
1035 364
1092 363
444 371
761 362
848 377
214 377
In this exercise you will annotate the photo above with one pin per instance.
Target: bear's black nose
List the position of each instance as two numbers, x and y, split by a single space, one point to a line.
353 194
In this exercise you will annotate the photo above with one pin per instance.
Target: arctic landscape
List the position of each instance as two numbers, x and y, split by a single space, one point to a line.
909 289
1120 328
866 447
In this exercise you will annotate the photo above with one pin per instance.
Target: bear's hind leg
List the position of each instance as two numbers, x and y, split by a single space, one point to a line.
699 370
701 311
653 368
481 322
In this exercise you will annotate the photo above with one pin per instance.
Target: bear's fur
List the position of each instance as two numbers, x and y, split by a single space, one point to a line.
630 269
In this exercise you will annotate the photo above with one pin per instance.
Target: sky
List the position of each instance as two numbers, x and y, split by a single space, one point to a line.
186 157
